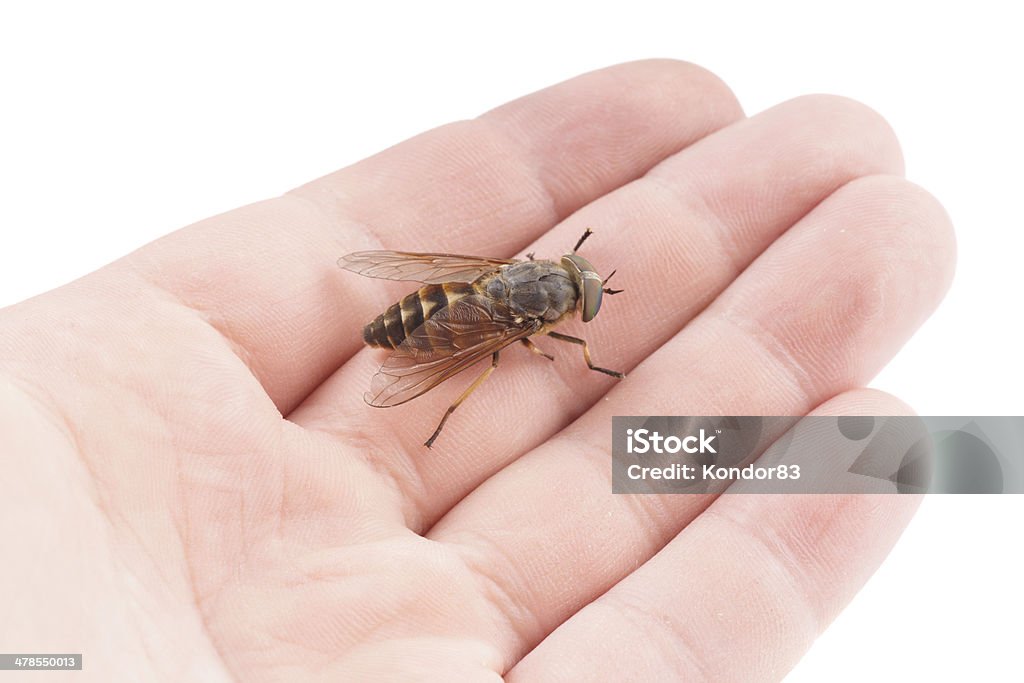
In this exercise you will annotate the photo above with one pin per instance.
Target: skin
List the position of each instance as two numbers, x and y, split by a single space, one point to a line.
197 491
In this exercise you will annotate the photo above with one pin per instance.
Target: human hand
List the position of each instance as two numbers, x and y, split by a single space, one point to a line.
196 489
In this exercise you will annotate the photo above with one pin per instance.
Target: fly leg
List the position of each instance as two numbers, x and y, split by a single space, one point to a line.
586 353
465 394
533 347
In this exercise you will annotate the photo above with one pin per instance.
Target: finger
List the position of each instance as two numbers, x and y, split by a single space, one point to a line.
741 593
265 275
678 237
819 312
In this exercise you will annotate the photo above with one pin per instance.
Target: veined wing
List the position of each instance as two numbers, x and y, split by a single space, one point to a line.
426 268
448 342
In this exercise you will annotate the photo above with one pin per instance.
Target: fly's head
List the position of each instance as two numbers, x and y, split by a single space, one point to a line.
590 285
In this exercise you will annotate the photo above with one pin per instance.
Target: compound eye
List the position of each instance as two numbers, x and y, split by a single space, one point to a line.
592 294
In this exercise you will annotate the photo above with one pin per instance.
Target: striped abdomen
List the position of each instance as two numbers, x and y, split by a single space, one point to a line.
390 328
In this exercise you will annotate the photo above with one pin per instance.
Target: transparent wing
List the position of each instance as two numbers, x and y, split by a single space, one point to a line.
448 342
426 268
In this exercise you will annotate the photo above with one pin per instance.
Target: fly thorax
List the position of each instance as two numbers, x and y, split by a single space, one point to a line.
539 290
496 287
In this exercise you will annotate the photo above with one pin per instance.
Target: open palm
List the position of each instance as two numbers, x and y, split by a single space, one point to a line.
198 491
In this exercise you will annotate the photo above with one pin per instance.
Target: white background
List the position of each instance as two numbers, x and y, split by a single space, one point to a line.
119 124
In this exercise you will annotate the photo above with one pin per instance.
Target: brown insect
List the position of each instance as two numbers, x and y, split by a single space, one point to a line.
470 308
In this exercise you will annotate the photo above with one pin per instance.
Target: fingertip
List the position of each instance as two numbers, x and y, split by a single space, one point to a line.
671 74
878 150
864 401
907 228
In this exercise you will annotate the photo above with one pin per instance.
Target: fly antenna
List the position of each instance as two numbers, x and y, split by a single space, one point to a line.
608 290
586 233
